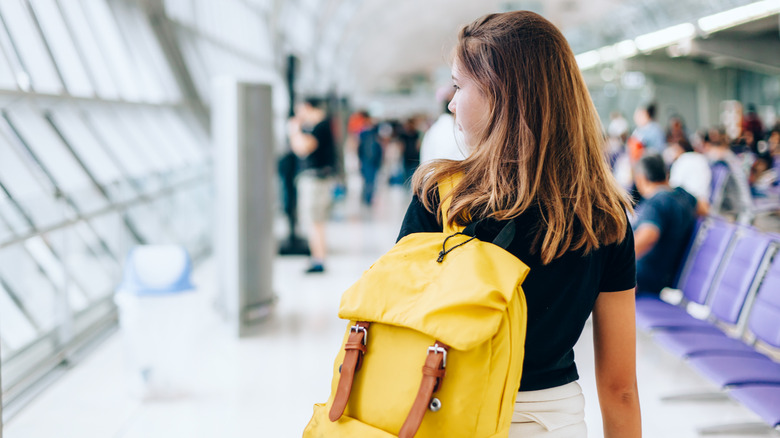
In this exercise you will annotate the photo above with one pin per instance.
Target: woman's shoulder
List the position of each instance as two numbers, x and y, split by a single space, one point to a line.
418 219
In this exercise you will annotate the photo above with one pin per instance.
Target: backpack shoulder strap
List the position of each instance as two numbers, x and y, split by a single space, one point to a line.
445 188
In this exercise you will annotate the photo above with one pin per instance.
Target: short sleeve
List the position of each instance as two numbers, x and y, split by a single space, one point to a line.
620 269
651 213
418 220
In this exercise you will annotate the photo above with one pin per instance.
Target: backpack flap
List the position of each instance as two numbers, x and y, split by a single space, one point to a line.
459 301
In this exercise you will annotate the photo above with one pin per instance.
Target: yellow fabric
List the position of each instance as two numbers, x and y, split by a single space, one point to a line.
445 187
472 301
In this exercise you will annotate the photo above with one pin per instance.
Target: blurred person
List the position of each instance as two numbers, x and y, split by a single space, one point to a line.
440 142
648 135
618 126
689 170
370 155
773 146
751 123
311 139
516 83
745 145
773 140
410 138
664 225
675 130
617 134
732 196
763 176
357 123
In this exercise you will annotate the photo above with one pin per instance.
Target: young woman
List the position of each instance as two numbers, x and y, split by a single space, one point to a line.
537 158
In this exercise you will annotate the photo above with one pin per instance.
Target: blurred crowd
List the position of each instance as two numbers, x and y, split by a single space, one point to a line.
735 177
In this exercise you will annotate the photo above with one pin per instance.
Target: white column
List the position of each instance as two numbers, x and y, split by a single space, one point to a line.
244 160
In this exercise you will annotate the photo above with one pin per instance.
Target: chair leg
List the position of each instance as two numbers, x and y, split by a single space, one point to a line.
752 428
696 397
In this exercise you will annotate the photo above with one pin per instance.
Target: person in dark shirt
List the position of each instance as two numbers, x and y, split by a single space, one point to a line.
535 157
312 141
664 224
370 154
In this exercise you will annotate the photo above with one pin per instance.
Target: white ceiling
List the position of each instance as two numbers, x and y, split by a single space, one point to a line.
366 46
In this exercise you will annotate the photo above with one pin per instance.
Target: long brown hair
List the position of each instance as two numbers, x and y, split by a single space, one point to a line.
542 146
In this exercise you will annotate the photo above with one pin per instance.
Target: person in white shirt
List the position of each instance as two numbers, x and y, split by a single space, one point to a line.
442 140
689 170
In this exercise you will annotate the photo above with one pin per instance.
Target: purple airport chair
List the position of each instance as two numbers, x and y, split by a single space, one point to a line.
656 314
764 324
648 301
764 400
731 297
720 174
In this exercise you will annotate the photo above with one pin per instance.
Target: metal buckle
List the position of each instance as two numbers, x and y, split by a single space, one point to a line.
356 329
436 349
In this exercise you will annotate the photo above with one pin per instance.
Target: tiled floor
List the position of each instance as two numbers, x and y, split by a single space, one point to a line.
265 385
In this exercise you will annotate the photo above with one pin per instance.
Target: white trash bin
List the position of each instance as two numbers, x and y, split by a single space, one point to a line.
154 303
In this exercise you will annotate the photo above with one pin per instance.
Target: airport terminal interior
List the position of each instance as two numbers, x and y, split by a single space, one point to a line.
158 279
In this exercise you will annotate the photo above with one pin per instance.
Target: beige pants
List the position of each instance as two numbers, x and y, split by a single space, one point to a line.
550 413
315 196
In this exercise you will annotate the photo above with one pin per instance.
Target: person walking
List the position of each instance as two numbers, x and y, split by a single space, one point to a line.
311 139
535 157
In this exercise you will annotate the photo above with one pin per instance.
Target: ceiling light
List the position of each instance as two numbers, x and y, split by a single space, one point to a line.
626 49
588 59
664 37
742 14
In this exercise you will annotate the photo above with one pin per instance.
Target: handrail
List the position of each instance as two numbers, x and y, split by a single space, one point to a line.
118 206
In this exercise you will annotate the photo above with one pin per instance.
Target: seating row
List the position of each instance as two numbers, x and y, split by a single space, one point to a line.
730 273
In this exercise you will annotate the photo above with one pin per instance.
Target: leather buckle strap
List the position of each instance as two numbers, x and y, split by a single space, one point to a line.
433 375
355 347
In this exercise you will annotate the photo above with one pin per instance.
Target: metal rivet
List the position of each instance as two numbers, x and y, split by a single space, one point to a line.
435 404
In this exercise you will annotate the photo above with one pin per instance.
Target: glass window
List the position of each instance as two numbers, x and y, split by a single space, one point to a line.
113 232
54 156
114 49
141 117
64 51
140 142
94 156
99 247
105 124
32 287
7 76
183 137
197 67
51 264
147 220
15 328
7 231
12 56
11 216
86 40
31 47
30 190
147 54
81 262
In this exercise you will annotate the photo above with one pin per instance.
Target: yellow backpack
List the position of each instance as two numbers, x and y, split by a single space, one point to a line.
435 342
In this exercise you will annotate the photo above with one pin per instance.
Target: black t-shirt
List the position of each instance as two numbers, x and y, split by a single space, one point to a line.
673 212
560 295
323 158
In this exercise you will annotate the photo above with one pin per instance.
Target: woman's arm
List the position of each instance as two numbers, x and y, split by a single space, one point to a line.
614 340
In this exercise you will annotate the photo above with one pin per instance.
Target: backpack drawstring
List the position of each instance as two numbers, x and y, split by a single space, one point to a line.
444 251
